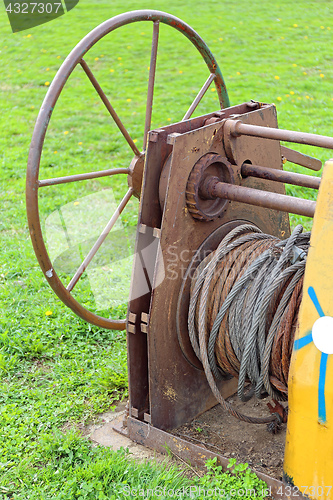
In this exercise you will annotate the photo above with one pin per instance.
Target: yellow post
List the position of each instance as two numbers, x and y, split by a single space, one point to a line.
308 463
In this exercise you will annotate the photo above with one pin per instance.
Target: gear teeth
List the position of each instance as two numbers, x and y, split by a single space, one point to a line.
193 201
191 198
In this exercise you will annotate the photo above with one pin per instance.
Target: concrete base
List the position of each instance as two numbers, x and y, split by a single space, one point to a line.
104 435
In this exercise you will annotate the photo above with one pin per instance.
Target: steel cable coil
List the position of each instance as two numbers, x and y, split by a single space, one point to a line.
243 312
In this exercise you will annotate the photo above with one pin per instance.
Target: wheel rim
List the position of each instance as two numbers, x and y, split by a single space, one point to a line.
33 183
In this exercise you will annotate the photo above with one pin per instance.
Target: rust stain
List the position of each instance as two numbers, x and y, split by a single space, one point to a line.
170 393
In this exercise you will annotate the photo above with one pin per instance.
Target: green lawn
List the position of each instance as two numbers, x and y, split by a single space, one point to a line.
54 368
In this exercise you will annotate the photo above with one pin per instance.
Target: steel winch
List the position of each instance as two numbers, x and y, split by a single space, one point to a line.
207 186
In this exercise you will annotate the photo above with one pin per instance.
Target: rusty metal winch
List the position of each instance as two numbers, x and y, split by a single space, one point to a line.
204 183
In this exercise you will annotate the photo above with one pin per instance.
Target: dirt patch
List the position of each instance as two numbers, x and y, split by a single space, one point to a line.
250 443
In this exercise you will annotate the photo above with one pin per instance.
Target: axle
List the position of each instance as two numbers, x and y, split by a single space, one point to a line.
237 128
272 174
212 188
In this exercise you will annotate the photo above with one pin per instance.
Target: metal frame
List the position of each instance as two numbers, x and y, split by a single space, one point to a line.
167 384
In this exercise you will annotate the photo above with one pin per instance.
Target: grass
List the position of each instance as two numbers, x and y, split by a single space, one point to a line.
55 369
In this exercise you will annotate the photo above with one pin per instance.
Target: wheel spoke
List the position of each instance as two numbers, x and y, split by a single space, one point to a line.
152 71
82 177
109 107
100 240
198 98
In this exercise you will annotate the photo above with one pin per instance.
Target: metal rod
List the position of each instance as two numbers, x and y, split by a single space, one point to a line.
238 128
100 240
151 82
109 107
273 174
82 177
301 159
260 198
199 96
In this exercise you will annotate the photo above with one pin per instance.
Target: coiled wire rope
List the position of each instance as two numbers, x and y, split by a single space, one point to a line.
243 311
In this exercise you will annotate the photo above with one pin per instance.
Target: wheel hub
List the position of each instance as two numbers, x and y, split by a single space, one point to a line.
135 175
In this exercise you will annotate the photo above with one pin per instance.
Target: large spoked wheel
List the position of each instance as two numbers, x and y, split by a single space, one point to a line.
134 172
